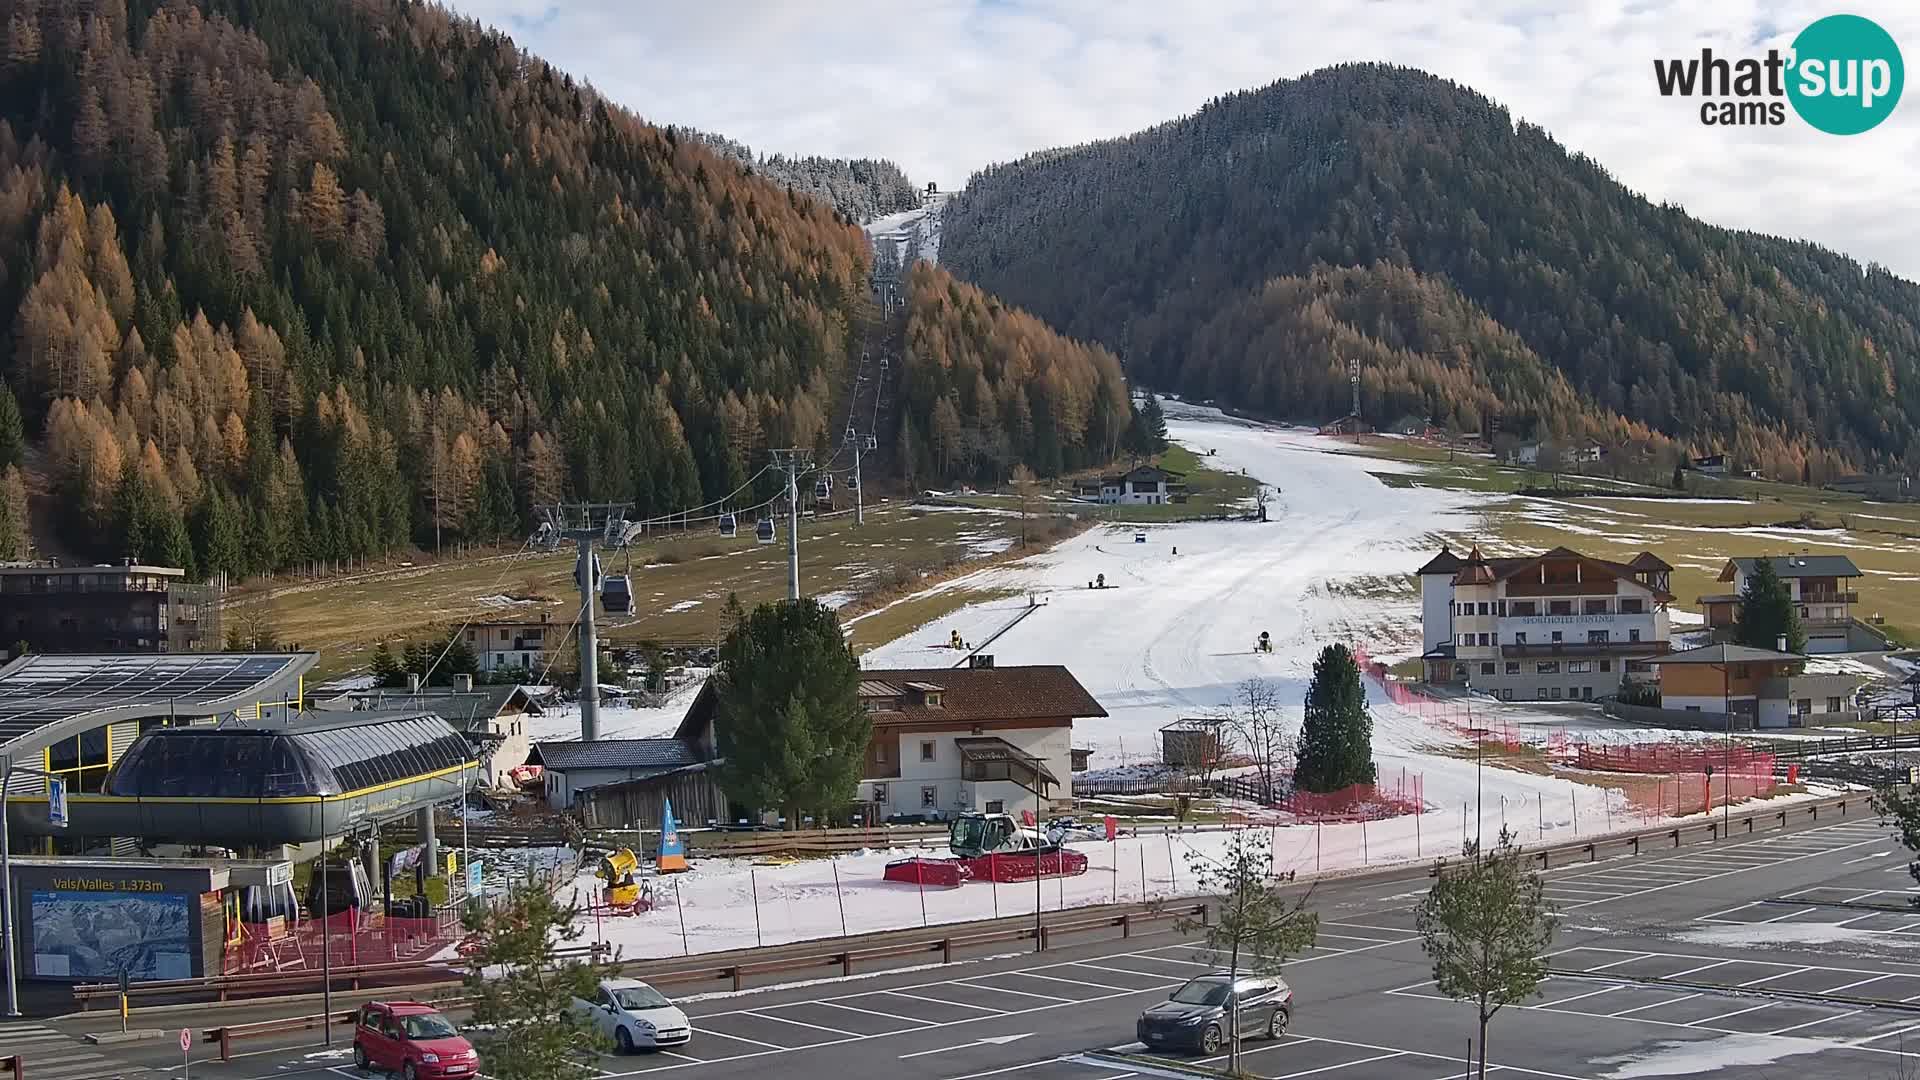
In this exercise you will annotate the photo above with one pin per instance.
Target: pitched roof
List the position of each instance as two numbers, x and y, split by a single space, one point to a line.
461 708
615 754
1724 654
1797 566
1479 571
1039 692
1444 563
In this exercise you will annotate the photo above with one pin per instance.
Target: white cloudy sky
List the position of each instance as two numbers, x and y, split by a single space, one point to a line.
946 86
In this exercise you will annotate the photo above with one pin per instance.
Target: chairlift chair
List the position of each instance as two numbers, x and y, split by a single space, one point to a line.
728 527
763 532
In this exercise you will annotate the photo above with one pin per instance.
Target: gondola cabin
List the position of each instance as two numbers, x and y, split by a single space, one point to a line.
729 528
823 488
616 595
763 532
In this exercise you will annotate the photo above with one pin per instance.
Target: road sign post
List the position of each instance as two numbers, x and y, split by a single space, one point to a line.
186 1043
56 803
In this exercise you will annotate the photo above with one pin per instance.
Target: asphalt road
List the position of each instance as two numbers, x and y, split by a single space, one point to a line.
1774 970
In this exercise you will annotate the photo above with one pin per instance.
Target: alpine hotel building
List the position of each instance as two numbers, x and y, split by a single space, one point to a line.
1559 626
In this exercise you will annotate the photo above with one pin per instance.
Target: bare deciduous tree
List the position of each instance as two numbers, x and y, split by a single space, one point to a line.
1255 720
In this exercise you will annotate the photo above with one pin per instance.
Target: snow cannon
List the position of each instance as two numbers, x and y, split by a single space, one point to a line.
625 891
991 847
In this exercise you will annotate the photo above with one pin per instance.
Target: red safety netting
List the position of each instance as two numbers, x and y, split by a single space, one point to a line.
1671 757
1360 802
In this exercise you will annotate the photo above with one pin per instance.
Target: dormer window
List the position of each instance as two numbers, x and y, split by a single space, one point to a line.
933 699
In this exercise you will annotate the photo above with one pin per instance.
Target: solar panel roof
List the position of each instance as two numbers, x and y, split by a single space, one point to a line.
44 697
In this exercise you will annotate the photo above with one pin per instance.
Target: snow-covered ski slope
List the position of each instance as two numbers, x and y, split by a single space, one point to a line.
1173 634
1172 637
918 230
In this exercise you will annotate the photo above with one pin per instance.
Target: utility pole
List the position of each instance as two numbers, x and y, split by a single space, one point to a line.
584 523
861 444
795 460
1353 376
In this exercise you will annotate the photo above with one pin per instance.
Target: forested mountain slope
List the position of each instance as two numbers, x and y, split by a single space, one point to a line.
1787 354
860 188
296 280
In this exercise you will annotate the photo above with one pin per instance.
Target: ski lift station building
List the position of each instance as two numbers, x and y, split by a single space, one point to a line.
208 748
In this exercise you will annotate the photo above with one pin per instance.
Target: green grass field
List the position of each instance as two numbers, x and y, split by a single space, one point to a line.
1722 518
680 584
1210 492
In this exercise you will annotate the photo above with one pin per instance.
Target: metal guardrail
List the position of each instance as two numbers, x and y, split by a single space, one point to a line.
1704 831
848 959
346 977
226 1036
957 935
1801 749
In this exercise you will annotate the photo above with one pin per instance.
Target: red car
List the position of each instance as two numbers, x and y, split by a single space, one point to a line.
413 1040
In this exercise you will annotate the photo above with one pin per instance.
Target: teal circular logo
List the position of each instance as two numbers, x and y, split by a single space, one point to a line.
1846 75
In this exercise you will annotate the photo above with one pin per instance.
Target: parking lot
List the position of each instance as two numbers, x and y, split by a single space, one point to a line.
1578 887
1728 995
730 1029
1753 947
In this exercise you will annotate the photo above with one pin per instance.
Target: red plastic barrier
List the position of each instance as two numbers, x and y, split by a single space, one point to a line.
946 873
1016 867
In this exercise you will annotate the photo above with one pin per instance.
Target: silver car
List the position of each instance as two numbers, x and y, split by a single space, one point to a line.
1195 1017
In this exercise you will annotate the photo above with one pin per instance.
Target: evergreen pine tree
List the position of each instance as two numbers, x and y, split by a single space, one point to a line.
458 659
1336 737
386 670
13 435
137 532
1767 613
790 724
1153 426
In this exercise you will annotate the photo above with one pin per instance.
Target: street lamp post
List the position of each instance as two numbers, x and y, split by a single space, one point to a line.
1479 745
326 934
8 938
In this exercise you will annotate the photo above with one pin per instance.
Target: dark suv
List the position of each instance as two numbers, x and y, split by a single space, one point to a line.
1195 1017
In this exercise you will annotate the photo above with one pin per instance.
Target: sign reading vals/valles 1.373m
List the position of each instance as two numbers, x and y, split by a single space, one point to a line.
1843 75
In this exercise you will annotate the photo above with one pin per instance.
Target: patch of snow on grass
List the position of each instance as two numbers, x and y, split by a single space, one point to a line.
684 605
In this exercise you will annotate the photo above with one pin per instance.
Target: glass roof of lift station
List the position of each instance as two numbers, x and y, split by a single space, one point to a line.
331 758
47 697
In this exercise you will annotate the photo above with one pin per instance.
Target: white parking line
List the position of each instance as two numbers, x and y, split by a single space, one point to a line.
1810 1023
1667 1001
1343 1065
739 1038
804 1024
1862 1043
1770 978
1591 993
1857 982
1072 982
1124 971
961 1004
856 1009
1702 967
1731 1015
1001 990
1617 963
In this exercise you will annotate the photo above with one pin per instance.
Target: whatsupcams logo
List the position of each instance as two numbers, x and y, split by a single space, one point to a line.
1843 75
